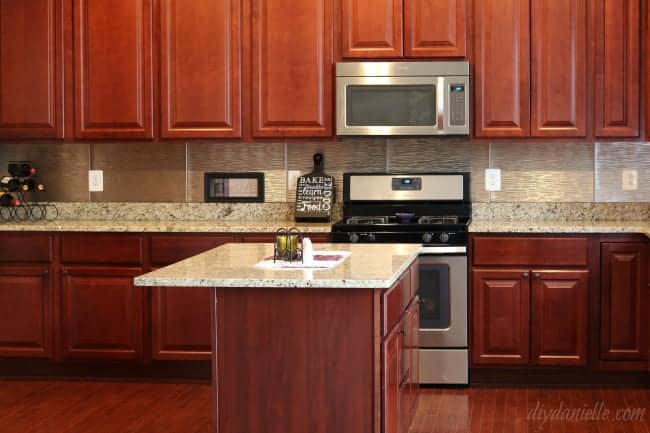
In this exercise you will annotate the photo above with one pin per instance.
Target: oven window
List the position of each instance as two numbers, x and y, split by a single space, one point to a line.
434 291
394 105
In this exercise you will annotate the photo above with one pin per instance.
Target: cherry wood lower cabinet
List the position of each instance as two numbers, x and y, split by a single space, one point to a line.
26 311
102 313
314 359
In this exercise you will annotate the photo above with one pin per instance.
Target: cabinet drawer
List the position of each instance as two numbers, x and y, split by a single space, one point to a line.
101 249
170 249
25 247
530 251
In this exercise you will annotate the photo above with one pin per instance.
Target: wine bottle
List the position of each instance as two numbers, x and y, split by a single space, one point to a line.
21 169
10 184
30 184
7 200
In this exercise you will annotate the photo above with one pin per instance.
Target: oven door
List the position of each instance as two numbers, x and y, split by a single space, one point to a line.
443 301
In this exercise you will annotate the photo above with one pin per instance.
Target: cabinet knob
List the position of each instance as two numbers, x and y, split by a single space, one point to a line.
64 272
46 272
525 275
537 275
403 331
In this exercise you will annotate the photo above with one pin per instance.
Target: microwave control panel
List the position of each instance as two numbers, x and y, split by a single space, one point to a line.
457 105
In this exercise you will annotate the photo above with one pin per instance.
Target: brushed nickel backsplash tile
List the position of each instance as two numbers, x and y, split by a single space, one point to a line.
62 168
236 158
346 155
544 172
611 160
442 155
140 171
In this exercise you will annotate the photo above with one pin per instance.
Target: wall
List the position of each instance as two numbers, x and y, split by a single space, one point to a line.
173 171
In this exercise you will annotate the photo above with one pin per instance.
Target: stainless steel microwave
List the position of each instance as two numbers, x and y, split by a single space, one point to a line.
402 98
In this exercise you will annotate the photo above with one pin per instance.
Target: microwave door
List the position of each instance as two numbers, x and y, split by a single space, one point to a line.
387 105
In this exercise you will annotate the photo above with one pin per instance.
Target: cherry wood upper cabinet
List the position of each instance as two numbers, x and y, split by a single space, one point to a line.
434 28
372 28
559 68
292 68
618 66
200 68
502 68
31 65
113 71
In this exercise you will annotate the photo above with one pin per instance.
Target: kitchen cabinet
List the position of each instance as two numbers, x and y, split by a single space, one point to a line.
617 68
26 311
531 68
392 350
101 313
624 301
180 316
292 68
517 298
200 68
113 69
31 69
399 28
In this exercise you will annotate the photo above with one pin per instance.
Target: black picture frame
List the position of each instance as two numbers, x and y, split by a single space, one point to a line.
210 179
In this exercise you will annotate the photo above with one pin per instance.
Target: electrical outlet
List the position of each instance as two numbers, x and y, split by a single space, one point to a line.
493 179
630 180
292 179
95 180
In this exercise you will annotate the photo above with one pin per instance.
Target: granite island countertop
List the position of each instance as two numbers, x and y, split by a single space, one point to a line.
233 265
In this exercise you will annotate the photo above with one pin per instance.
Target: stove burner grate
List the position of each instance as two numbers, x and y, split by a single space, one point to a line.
367 220
438 220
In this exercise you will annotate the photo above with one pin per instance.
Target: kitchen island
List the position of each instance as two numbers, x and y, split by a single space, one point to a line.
309 350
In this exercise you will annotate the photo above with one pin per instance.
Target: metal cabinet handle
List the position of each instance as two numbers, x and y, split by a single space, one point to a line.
525 275
537 275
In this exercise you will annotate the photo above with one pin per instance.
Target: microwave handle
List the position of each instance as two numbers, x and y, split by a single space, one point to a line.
441 96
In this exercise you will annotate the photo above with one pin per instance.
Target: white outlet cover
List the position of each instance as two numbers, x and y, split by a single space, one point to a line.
493 179
292 179
630 180
95 180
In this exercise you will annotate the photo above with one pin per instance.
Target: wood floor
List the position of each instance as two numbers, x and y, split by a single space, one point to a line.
112 407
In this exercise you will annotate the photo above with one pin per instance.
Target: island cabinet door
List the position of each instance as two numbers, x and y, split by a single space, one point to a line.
113 70
501 316
101 313
31 58
292 66
25 311
559 317
624 292
392 375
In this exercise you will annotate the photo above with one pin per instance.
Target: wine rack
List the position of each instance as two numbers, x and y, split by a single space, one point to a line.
16 192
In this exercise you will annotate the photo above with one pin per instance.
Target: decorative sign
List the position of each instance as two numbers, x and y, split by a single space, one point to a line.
315 194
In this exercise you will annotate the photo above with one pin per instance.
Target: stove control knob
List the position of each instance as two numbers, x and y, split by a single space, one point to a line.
427 238
354 238
444 237
371 237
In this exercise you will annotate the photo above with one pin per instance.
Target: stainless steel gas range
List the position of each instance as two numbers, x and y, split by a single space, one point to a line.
433 209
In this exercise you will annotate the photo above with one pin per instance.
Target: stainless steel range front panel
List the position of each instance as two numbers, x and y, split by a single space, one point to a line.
387 187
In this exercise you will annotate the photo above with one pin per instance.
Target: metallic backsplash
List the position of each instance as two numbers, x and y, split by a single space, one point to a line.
173 171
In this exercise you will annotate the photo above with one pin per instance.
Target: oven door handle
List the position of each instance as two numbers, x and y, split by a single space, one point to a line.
444 250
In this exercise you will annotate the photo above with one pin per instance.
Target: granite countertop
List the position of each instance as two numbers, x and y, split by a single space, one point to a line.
233 265
162 226
538 226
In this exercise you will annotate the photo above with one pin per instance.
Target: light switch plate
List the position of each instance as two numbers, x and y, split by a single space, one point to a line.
493 179
95 180
292 179
630 181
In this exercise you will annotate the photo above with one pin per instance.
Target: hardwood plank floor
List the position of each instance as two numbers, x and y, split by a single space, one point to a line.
115 407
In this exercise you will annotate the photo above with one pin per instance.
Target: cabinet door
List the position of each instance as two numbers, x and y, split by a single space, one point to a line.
501 316
391 356
113 79
559 317
413 321
371 28
434 28
502 68
623 297
31 58
200 68
559 68
292 68
618 66
101 313
25 311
